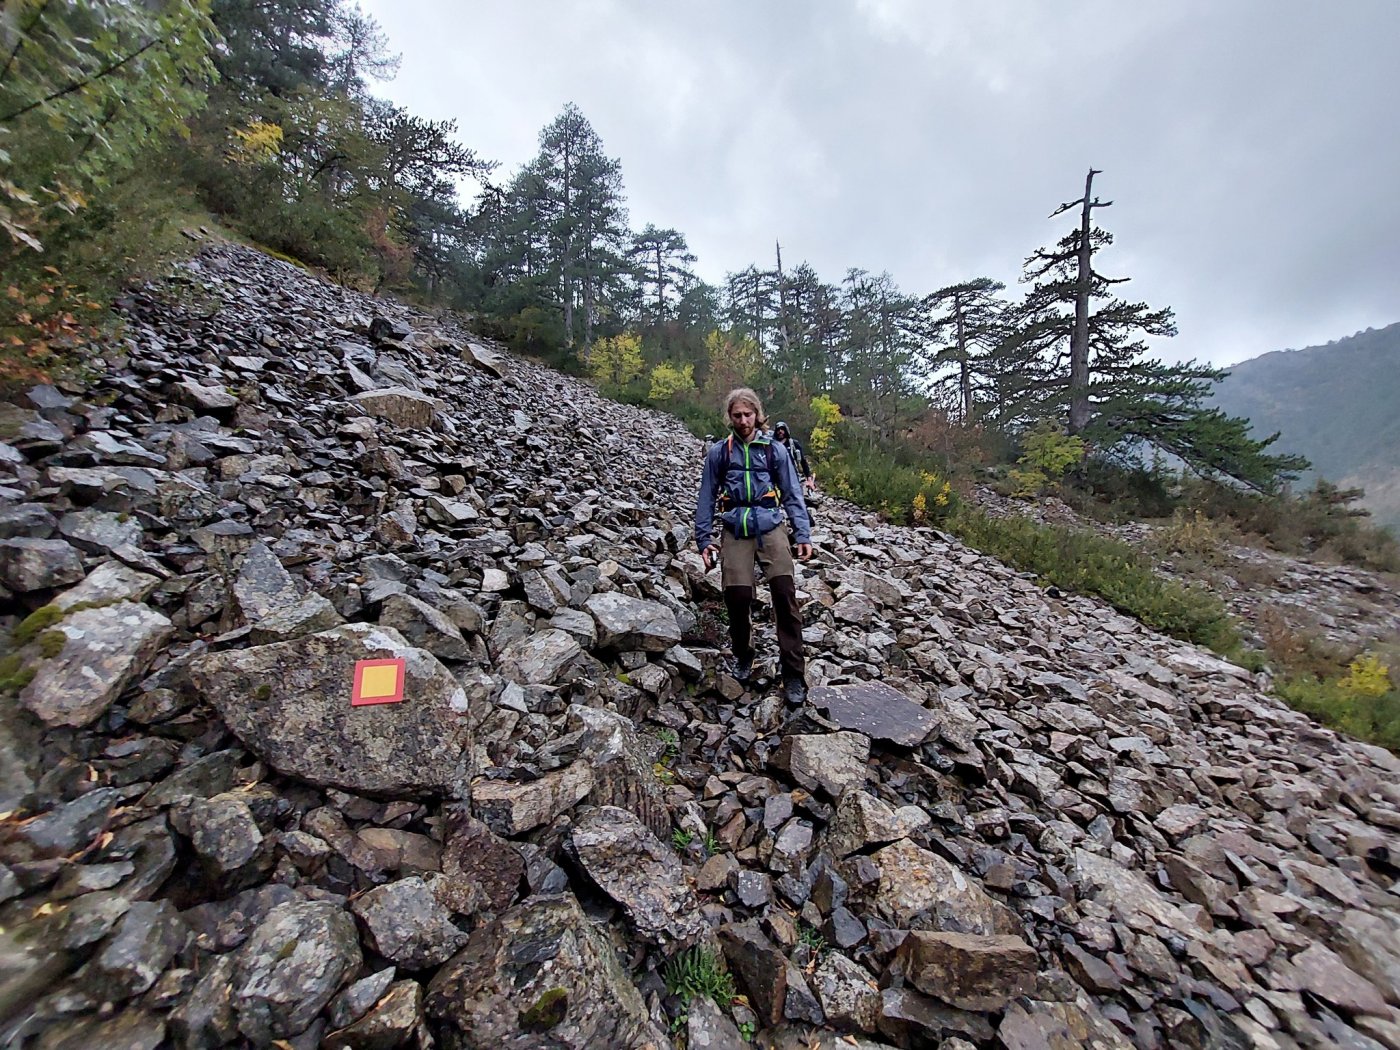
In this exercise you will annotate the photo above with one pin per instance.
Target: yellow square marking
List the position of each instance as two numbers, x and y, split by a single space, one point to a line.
379 681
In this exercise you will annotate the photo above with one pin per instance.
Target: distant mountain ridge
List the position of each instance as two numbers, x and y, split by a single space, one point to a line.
1338 405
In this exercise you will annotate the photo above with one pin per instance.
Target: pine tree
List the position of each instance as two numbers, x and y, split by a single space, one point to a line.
966 322
587 218
1084 350
663 260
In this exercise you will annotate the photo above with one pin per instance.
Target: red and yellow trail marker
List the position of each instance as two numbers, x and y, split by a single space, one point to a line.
378 682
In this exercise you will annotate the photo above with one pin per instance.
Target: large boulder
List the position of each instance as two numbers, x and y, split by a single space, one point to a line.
831 761
541 975
969 971
539 658
296 959
511 808
622 774
290 703
636 869
102 650
399 405
406 924
262 585
625 622
920 890
29 564
109 583
862 821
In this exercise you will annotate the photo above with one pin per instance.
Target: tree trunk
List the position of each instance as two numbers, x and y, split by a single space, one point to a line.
964 373
660 288
567 262
1079 342
782 306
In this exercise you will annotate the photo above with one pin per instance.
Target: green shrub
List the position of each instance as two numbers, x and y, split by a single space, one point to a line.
1092 564
907 494
697 971
1050 451
1324 522
1374 717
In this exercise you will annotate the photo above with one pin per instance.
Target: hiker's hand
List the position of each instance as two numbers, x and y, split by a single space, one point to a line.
804 552
709 556
809 484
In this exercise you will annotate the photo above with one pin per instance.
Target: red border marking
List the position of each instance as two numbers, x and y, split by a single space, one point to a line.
361 666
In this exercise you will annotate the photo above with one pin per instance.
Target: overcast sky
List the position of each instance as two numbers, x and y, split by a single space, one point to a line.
1251 147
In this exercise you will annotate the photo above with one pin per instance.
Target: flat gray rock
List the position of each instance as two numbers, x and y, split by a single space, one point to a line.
31 564
877 710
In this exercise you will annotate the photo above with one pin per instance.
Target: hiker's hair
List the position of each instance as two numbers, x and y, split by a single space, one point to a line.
743 393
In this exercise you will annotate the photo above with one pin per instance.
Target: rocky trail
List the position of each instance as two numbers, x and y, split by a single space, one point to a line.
1003 819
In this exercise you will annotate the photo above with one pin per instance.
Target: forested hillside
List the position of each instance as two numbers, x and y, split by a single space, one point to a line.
1336 405
264 115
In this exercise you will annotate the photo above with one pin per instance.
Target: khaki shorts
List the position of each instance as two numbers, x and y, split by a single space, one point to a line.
737 557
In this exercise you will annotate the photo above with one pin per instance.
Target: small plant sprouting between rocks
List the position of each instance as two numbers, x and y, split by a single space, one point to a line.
812 938
697 972
671 741
747 1030
711 843
681 839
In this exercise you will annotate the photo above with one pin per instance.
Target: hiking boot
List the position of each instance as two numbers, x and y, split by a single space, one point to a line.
741 670
795 690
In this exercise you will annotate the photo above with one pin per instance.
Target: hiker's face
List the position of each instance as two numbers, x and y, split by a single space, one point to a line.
743 417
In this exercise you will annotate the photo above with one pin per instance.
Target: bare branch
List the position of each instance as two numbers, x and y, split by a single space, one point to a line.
22 37
78 85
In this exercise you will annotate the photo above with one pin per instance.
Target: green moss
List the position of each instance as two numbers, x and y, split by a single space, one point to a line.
262 692
14 675
546 1012
51 643
39 620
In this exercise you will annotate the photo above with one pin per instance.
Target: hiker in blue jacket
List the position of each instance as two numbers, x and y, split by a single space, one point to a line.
750 478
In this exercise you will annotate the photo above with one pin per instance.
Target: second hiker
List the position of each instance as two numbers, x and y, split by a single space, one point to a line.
798 454
752 481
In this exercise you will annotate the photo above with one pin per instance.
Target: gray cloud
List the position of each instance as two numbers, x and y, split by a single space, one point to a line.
1251 148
